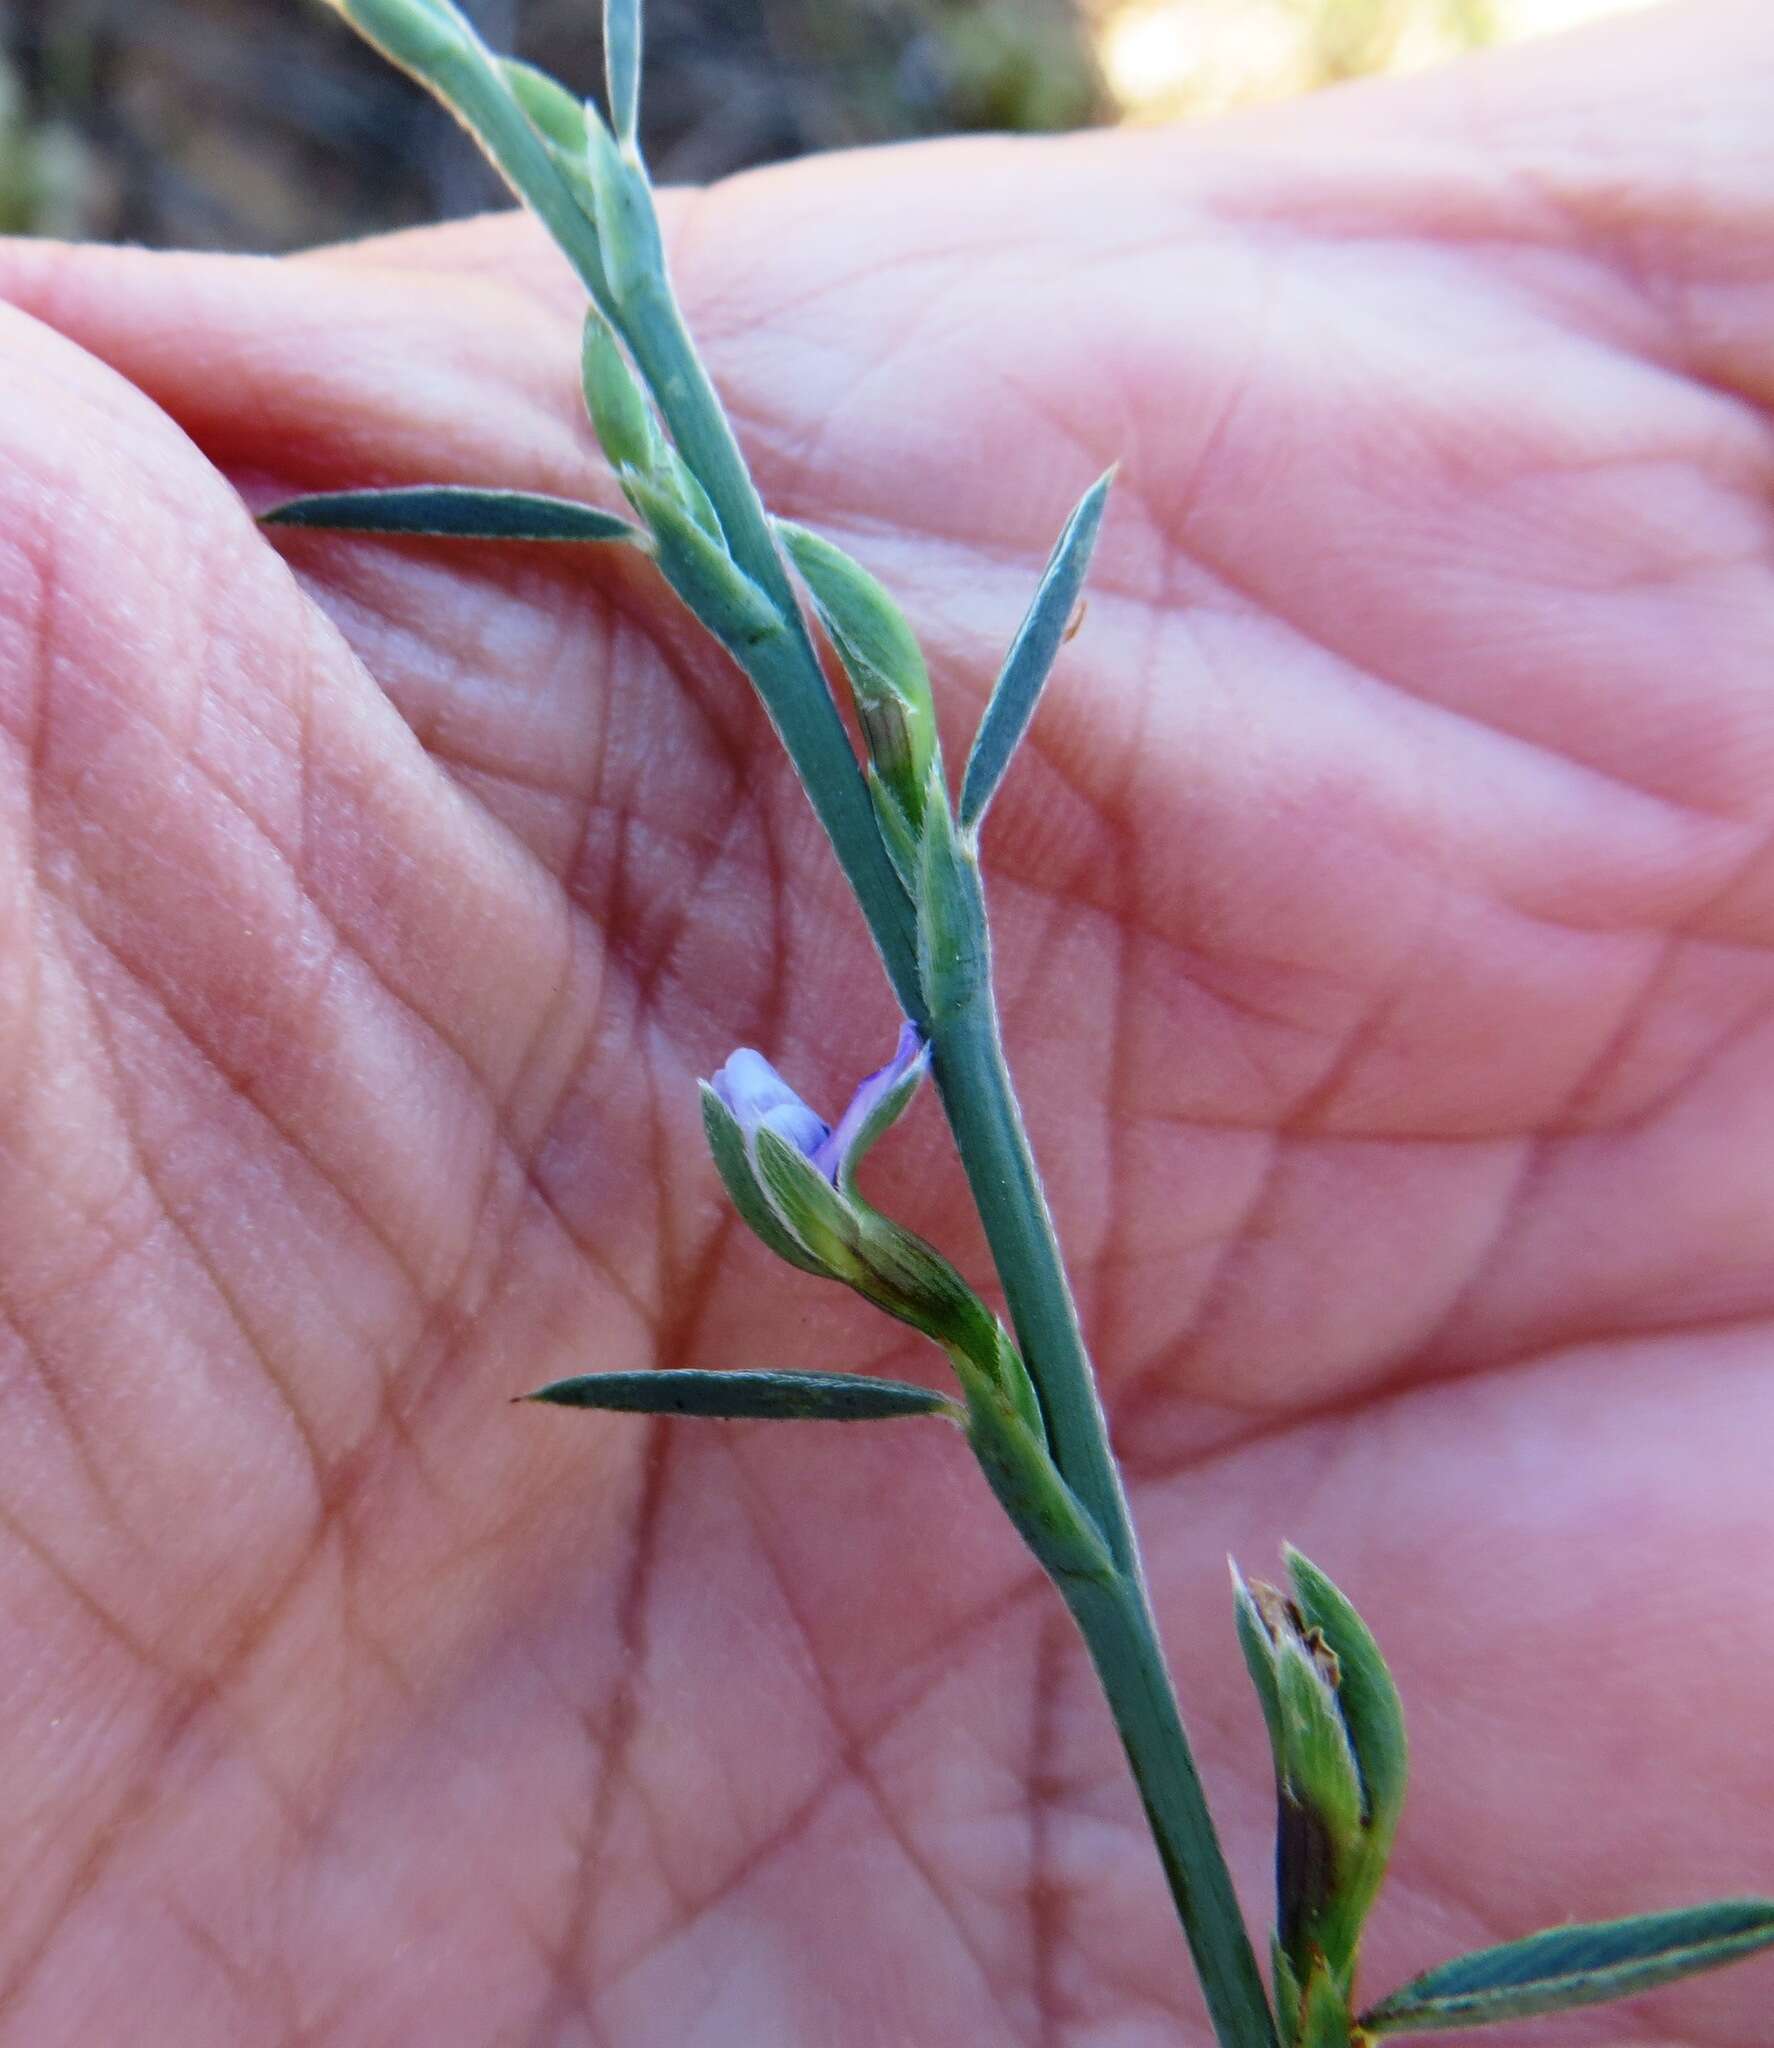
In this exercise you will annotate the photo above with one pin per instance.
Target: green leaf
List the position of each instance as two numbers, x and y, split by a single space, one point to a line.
556 114
810 1208
726 1141
453 512
1572 1966
1324 2012
1320 1772
750 1396
622 66
1031 657
1289 2000
614 401
1047 1514
559 119
896 828
1258 1646
913 1281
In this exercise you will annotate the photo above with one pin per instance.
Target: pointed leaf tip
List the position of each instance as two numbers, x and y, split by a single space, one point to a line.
1032 653
622 66
1565 1967
749 1396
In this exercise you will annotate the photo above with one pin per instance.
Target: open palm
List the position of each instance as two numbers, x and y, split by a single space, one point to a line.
1385 906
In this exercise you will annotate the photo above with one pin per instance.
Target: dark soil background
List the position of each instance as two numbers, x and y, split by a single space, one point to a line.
266 125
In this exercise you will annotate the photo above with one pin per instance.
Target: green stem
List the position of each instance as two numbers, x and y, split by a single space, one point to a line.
1115 1619
1117 1624
967 1056
974 1083
786 671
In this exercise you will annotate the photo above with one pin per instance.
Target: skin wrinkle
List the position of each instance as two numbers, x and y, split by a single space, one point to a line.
1046 1901
1299 1119
676 1338
191 1704
1668 1098
158 992
255 1343
1386 1401
572 1990
1115 1200
46 1381
861 1772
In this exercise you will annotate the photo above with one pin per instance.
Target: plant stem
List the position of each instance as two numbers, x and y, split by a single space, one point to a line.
1116 1620
786 672
974 1082
980 1103
1117 1624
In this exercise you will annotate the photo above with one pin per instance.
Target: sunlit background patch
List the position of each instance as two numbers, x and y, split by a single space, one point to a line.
1164 59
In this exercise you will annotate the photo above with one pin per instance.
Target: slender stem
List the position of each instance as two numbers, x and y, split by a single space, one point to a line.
974 1082
1117 1625
1116 1620
786 672
980 1102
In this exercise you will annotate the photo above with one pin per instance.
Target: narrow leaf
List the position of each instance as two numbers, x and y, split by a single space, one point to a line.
614 401
555 114
1258 1646
1572 1966
810 1208
1324 2012
454 512
1046 1513
622 65
1030 660
750 1396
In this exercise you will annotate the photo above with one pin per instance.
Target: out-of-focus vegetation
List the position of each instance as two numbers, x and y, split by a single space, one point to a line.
264 124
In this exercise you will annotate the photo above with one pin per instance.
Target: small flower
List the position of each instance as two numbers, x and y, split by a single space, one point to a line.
792 1179
757 1097
754 1093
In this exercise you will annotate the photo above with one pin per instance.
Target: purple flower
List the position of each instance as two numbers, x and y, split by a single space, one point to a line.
833 1152
755 1094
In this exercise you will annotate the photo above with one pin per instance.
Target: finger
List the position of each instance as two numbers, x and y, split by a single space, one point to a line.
294 373
278 991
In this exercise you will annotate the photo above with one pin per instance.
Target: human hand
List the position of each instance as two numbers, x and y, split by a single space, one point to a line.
1384 907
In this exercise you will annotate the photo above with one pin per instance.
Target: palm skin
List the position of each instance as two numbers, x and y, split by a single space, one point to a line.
1384 909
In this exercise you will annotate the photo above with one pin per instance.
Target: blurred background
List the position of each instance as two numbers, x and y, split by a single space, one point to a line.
265 125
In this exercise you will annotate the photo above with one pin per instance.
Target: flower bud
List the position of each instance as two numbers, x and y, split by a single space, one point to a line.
793 1179
614 400
1337 1734
881 656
